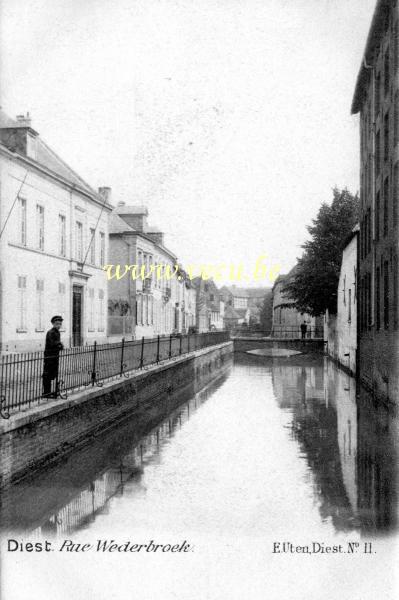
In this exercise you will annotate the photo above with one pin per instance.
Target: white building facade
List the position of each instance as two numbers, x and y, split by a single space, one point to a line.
163 302
341 330
53 244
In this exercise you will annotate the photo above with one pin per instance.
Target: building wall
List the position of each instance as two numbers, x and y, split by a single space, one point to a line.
286 318
159 306
346 322
37 283
379 232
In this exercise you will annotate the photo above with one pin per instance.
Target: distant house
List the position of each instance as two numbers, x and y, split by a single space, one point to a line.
287 319
153 305
236 302
210 306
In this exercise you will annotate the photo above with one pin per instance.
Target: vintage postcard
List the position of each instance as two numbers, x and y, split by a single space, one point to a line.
199 299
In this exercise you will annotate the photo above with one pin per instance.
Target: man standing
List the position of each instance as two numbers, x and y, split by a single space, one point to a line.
51 356
303 329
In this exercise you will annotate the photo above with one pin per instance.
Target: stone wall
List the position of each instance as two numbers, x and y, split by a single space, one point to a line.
32 439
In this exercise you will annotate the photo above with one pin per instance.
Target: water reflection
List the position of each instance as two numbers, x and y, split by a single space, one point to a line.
348 440
277 444
70 495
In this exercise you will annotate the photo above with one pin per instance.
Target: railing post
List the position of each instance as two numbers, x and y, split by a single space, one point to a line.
122 353
142 353
180 343
188 342
158 349
170 346
93 372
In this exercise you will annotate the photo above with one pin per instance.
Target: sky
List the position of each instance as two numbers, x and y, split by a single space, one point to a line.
229 119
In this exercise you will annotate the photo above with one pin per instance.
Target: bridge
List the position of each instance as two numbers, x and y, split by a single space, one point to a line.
245 343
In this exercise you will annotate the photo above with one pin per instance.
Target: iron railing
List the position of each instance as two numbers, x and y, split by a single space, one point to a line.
295 332
21 375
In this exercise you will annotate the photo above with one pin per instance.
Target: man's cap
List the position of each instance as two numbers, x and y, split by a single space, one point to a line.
56 318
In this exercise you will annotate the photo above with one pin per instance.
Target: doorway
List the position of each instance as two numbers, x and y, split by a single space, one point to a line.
77 301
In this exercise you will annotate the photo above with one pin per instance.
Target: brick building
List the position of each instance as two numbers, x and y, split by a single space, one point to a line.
376 99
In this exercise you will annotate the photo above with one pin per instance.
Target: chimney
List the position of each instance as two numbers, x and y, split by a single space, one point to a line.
105 193
134 216
156 236
19 136
24 121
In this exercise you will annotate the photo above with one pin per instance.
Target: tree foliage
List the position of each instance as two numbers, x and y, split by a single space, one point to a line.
315 280
266 313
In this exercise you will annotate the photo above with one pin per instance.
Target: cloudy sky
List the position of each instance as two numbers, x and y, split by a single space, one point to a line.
229 119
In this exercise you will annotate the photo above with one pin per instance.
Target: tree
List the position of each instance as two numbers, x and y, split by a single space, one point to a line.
266 312
314 283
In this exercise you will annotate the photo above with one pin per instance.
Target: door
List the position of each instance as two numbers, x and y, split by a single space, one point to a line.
77 315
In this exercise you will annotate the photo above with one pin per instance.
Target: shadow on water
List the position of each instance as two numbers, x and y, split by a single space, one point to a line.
348 439
347 442
69 495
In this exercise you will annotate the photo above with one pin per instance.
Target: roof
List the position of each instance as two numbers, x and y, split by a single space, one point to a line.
118 225
259 292
376 32
355 232
45 156
231 313
123 209
236 292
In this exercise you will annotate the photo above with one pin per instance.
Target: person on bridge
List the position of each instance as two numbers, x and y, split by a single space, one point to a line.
304 328
51 357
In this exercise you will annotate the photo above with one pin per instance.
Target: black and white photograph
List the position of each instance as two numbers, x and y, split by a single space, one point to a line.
199 310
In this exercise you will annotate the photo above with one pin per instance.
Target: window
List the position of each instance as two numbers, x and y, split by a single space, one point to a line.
378 298
377 153
40 226
102 248
79 241
91 309
386 295
368 240
369 319
101 310
386 136
349 305
39 304
21 303
139 311
395 195
62 234
395 292
377 217
386 198
22 221
386 72
211 297
61 298
93 246
377 91
344 291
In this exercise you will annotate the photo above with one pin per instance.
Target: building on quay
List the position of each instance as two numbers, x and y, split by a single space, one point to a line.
376 100
340 330
236 309
210 306
287 319
150 305
54 241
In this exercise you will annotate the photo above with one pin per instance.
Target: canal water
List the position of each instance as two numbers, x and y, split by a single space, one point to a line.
277 453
